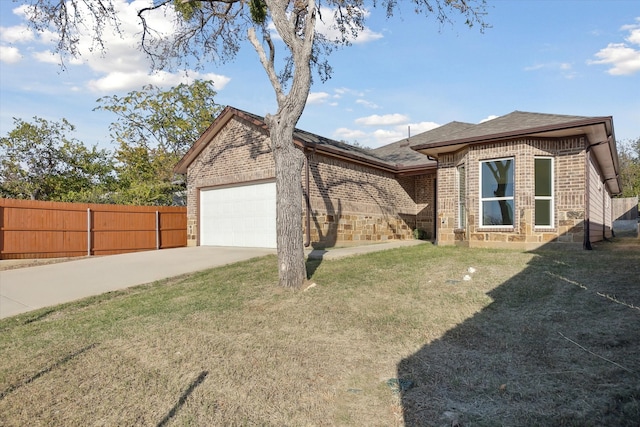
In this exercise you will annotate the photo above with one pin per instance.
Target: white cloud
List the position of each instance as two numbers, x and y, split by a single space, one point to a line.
124 81
47 57
327 27
389 128
122 66
534 67
491 117
623 59
349 135
386 136
565 68
382 137
16 34
367 104
341 91
384 120
317 98
9 55
420 127
634 29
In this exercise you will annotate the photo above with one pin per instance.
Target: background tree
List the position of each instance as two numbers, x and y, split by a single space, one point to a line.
629 156
39 161
213 30
154 129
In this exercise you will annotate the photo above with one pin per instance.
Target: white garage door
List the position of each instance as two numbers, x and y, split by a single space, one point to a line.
239 216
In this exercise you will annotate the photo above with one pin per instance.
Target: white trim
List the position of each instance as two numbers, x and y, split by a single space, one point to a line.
512 198
551 198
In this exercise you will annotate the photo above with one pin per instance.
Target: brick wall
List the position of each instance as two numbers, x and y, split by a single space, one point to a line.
354 203
240 152
569 177
425 203
350 203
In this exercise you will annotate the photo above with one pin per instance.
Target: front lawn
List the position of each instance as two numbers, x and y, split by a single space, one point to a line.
391 338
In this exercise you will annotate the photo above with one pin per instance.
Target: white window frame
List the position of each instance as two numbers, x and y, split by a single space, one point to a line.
551 198
494 199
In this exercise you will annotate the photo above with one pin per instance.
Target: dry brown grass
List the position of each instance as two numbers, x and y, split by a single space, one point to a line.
12 264
228 347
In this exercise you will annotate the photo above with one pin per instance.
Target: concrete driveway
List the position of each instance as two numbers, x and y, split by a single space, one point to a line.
30 288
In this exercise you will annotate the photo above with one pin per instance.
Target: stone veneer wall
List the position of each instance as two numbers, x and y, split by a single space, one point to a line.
354 204
569 202
350 203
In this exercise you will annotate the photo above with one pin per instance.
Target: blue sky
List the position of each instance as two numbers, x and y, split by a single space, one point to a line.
576 57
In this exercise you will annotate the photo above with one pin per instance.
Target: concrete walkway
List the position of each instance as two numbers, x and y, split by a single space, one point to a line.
30 288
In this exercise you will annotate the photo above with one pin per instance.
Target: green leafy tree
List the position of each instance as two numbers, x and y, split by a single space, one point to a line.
629 156
213 30
154 129
171 120
39 161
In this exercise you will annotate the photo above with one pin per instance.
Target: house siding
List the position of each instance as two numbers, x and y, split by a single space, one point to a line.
350 203
569 197
599 213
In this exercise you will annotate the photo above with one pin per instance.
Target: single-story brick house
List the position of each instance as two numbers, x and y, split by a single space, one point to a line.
521 180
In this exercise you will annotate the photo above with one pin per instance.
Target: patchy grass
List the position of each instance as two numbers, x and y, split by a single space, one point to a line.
390 338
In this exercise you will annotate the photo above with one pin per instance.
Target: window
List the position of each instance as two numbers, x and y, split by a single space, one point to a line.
462 197
543 170
496 192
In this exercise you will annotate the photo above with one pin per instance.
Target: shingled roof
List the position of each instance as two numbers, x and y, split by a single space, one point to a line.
401 152
413 162
515 124
415 154
520 124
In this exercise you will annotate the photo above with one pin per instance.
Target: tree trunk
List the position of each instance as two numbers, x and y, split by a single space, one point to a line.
288 162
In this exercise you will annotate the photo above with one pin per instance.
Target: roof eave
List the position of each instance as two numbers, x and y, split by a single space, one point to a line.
229 112
456 144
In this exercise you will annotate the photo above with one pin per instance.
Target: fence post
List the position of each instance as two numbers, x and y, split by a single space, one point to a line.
157 230
1 230
88 231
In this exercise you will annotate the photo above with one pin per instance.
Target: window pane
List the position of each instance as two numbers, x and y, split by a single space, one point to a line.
543 177
543 213
497 212
497 178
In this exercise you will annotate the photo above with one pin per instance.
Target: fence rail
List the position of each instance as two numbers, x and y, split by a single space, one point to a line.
35 229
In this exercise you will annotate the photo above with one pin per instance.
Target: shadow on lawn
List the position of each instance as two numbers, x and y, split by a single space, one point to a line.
559 345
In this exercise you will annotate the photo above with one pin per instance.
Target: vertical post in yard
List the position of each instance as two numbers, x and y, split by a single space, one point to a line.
157 230
88 231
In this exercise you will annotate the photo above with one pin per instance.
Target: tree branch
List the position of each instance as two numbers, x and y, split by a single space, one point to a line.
267 64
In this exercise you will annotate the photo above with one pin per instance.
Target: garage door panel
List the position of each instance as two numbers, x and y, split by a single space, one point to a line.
239 216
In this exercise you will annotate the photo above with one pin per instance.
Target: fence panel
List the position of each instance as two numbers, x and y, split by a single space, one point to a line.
35 229
625 209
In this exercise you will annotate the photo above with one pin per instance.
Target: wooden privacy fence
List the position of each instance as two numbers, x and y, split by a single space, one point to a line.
35 229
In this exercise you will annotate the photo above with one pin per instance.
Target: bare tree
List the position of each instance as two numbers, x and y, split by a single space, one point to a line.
214 30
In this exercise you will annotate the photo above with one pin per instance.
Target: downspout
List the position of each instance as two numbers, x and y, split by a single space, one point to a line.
435 202
435 210
587 241
307 239
604 211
